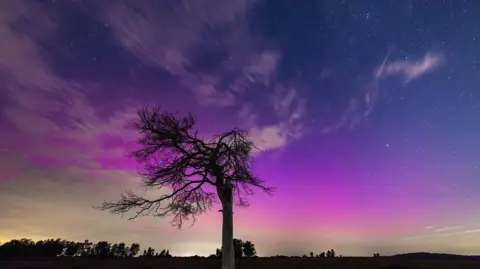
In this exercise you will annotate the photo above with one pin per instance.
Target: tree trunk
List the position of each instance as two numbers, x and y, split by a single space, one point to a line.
228 258
225 194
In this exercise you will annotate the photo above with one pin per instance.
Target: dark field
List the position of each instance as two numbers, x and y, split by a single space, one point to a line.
260 263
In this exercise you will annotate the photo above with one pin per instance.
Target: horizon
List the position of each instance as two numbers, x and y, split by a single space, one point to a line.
366 115
186 255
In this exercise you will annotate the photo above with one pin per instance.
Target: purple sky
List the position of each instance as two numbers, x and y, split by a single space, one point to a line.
366 113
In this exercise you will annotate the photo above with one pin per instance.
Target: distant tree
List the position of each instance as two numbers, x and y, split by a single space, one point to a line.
238 248
162 253
149 252
376 255
167 254
86 248
311 254
121 250
113 250
175 157
322 255
133 250
72 249
218 253
331 253
304 256
101 249
249 249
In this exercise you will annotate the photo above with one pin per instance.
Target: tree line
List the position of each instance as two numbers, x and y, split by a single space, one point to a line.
240 249
328 254
27 248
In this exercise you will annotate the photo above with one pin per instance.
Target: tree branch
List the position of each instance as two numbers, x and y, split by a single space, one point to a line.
175 157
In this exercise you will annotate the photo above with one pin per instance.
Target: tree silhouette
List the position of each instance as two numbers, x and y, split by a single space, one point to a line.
101 249
237 248
86 248
149 252
311 254
121 250
175 157
133 250
72 249
322 255
249 249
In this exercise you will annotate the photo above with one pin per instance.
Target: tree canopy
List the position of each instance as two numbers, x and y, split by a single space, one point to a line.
176 157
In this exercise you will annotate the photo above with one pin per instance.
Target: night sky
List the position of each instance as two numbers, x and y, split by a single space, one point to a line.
367 114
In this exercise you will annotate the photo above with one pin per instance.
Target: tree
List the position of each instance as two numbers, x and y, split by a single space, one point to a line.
175 157
72 249
322 255
237 248
311 254
133 250
121 250
218 253
86 248
249 249
102 249
331 253
149 252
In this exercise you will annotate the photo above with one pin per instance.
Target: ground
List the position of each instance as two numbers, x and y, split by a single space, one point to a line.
260 263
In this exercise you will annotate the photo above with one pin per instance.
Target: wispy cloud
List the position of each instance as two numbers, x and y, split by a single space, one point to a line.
187 35
450 228
42 105
446 231
289 109
411 69
361 106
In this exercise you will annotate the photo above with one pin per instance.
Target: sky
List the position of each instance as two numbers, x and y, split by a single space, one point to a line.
366 112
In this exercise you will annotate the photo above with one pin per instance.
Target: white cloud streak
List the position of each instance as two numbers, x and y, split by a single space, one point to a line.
450 228
411 69
359 108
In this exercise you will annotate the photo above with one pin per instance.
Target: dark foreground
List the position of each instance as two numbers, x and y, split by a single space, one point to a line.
260 263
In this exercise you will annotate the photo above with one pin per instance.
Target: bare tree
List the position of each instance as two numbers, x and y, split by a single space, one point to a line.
177 158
